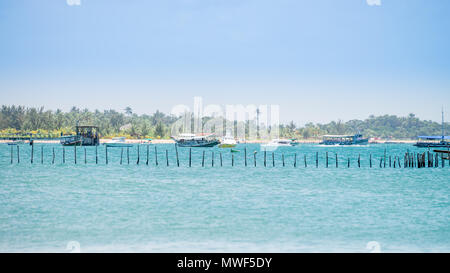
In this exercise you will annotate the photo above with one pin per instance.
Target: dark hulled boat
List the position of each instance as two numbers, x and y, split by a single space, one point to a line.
85 136
344 140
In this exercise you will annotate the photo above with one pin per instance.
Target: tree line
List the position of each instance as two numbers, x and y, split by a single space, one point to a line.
20 119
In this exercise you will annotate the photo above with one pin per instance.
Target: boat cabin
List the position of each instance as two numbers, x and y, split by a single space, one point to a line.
433 141
85 136
344 139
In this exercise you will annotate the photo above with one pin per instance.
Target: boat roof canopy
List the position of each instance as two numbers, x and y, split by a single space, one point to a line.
338 136
86 126
434 137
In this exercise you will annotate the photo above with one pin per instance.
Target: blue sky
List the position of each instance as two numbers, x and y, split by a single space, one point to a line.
320 60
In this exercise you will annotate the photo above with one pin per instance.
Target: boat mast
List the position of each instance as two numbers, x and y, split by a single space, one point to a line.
443 133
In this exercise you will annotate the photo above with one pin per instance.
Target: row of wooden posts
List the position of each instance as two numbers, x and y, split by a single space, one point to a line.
410 160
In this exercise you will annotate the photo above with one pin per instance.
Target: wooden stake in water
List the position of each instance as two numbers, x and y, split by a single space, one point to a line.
96 155
306 164
203 159
265 157
212 159
128 155
273 159
282 159
106 156
232 160
148 152
11 154
156 156
75 154
42 154
370 160
327 160
176 152
359 160
18 154
53 156
385 158
295 160
220 159
390 161
121 156
85 157
138 155
317 159
190 157
254 158
245 156
337 164
167 158
32 152
64 155
348 162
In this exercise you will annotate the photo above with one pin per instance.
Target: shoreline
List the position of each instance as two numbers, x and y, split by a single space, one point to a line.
171 141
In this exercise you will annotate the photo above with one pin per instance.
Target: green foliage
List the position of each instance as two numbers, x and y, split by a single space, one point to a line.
111 123
22 120
387 126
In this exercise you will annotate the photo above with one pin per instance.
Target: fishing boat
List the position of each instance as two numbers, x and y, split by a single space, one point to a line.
280 142
118 142
16 142
85 136
228 142
434 141
192 140
356 139
72 140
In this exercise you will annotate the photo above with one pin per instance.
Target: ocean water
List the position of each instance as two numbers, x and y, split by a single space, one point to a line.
47 207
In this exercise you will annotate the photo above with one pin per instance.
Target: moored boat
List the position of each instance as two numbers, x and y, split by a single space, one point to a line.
192 140
118 142
16 142
280 142
85 136
228 142
434 141
72 140
356 139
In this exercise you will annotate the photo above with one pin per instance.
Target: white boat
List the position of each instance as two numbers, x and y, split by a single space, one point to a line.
16 142
228 142
118 142
279 143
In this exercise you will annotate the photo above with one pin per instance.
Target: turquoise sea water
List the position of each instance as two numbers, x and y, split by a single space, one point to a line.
140 208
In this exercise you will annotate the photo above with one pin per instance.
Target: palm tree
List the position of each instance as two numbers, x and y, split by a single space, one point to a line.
128 111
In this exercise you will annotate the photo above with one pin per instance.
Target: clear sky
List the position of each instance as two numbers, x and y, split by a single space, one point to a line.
319 60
